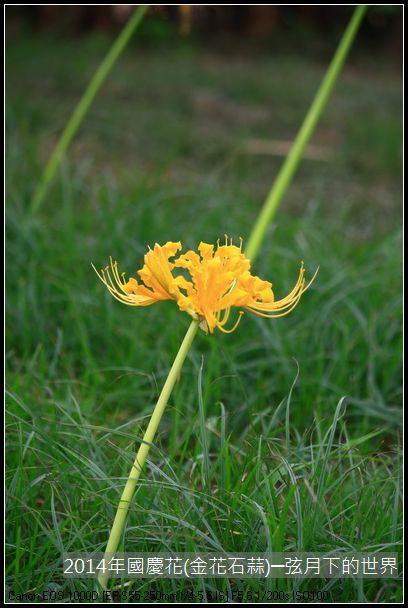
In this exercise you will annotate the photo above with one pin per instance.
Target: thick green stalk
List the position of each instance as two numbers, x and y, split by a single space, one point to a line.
291 162
84 105
127 494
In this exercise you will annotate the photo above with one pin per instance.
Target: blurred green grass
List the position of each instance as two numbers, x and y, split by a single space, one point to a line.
161 156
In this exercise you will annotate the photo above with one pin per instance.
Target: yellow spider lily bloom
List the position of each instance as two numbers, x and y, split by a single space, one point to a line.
220 279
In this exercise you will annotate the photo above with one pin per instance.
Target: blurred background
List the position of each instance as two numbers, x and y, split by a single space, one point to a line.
183 142
227 85
383 25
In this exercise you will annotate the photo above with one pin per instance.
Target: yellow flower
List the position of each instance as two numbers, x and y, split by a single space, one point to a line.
219 278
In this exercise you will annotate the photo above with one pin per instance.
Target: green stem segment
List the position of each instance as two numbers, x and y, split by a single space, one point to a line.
127 494
84 105
291 162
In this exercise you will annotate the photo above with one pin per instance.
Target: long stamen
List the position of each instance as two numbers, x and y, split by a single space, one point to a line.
109 279
311 280
290 306
114 292
102 277
229 331
284 303
114 266
124 298
225 317
295 289
280 305
291 298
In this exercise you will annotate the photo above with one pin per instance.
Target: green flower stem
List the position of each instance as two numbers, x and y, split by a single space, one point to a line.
84 105
291 162
127 494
